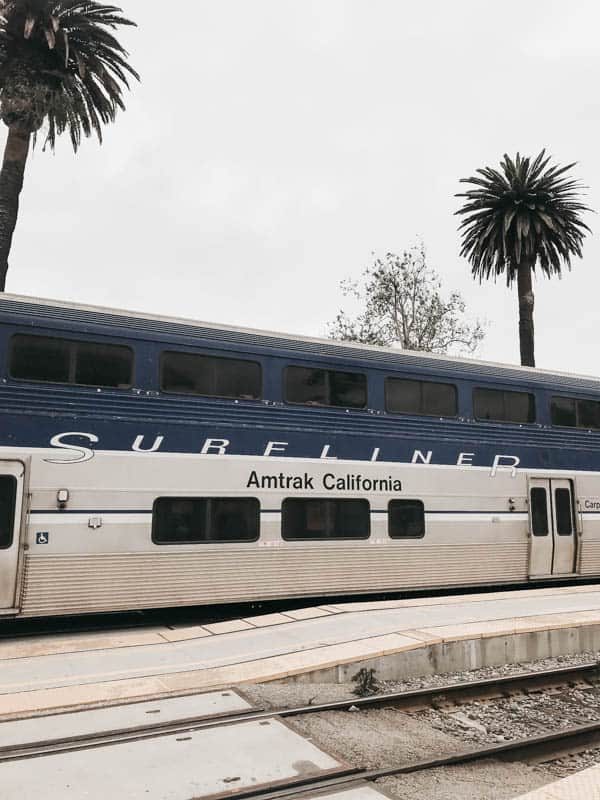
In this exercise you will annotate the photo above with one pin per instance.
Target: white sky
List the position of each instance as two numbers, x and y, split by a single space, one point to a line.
273 145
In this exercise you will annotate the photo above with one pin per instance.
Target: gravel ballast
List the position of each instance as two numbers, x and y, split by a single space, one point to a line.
380 737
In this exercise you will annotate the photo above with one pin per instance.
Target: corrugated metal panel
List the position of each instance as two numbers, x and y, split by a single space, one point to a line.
206 412
123 324
103 582
590 558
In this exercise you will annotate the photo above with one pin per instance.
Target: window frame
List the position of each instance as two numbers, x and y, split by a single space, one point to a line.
165 353
420 381
389 516
325 538
72 361
204 542
504 392
576 400
327 370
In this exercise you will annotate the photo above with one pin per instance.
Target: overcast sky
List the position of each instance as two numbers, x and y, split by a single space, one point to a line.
273 145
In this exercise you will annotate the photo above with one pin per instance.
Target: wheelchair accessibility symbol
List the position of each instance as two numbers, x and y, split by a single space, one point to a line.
42 538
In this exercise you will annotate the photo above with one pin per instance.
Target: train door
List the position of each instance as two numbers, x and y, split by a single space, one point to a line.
552 527
11 503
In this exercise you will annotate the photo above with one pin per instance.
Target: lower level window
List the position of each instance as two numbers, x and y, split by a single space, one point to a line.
325 519
8 497
406 519
193 520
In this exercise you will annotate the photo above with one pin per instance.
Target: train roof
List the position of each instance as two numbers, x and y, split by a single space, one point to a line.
121 322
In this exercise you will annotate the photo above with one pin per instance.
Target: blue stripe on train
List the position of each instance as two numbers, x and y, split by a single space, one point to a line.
36 431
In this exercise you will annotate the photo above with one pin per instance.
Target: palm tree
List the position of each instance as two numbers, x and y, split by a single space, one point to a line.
60 67
525 216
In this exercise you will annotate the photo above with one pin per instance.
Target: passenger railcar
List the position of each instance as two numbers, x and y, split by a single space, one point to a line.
150 462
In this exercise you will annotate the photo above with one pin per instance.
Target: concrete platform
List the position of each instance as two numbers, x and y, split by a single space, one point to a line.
584 785
327 643
214 762
208 705
358 791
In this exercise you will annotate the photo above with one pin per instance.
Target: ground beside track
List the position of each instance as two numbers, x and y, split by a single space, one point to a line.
380 737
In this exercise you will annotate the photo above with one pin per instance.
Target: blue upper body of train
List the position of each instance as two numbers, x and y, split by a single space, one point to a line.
41 413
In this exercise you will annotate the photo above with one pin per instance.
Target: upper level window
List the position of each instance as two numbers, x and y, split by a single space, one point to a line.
43 358
191 373
303 518
571 413
195 520
325 387
498 405
405 396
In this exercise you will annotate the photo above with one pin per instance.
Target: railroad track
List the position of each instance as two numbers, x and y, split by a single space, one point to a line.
582 735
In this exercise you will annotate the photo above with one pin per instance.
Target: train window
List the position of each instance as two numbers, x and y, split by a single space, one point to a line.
563 412
429 398
306 386
519 407
564 518
539 511
439 399
194 520
406 519
41 358
567 412
303 518
325 387
103 365
8 497
209 376
497 405
347 389
588 414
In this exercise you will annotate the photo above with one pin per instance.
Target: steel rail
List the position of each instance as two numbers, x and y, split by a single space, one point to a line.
487 687
459 690
517 748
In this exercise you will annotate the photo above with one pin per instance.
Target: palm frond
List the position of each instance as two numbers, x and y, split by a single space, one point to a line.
61 65
528 209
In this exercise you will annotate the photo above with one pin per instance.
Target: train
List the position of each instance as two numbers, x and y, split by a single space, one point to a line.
151 462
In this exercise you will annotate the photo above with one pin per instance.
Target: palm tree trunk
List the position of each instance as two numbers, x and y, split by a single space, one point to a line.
11 183
526 335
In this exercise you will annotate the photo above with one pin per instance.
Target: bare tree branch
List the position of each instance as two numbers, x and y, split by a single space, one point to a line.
403 306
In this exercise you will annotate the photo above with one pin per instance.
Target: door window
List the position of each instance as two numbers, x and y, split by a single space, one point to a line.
564 518
8 495
539 512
